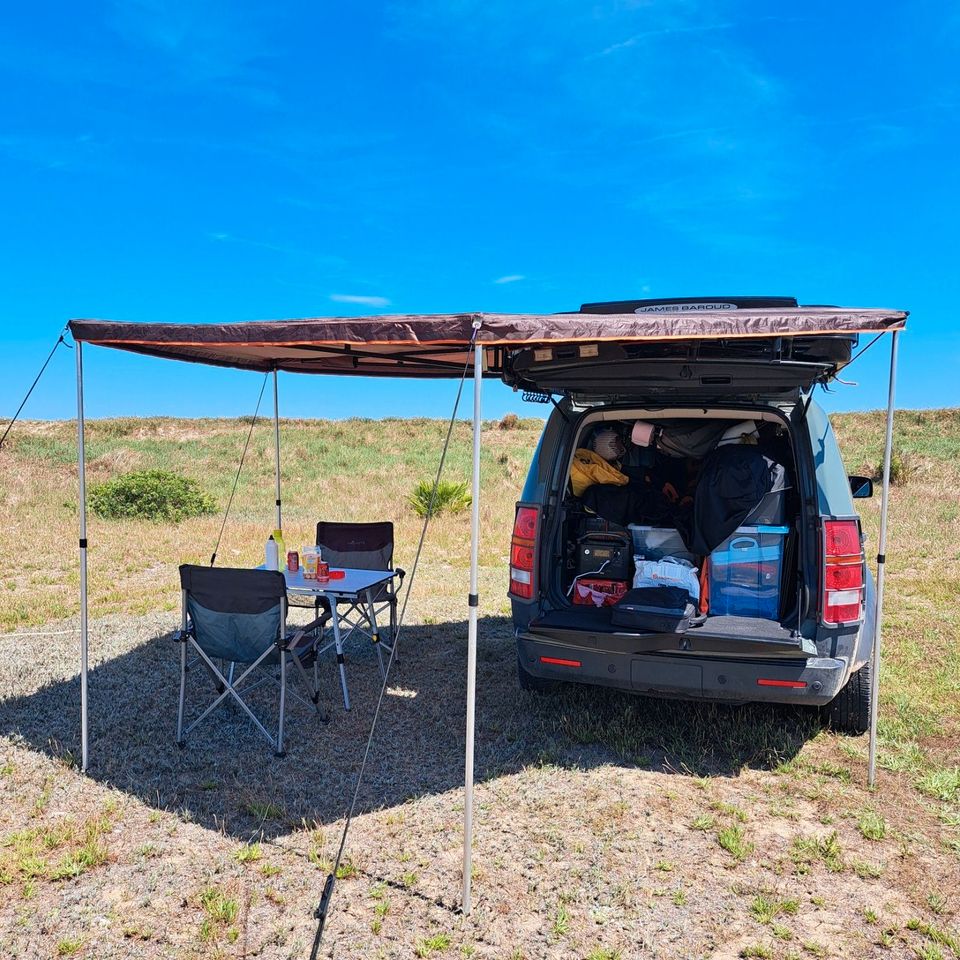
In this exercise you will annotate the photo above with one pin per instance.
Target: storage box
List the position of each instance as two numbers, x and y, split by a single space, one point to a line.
744 573
654 543
598 591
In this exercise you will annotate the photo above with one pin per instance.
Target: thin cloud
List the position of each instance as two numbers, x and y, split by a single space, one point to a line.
360 299
663 32
510 278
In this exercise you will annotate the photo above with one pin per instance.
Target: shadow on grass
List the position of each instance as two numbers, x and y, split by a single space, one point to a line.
228 779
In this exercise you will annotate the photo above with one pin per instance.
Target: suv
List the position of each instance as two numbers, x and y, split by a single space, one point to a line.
814 645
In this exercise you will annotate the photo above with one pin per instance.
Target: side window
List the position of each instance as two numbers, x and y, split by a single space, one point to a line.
833 489
541 466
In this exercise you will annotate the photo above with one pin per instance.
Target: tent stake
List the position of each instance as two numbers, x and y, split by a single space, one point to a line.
473 601
82 475
881 567
276 444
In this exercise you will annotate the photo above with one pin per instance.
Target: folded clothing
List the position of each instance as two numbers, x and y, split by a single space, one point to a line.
667 572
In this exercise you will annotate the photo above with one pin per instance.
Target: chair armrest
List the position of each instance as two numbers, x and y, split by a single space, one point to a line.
401 573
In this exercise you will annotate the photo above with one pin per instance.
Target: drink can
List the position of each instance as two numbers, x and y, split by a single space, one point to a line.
293 561
323 571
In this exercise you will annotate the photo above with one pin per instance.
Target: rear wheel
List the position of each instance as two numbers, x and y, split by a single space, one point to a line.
534 684
849 710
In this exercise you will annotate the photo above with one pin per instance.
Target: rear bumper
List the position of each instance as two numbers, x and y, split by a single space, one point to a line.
692 676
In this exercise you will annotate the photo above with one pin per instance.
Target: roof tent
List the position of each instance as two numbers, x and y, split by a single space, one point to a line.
443 345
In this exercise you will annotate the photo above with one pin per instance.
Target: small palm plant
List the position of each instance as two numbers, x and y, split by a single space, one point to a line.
450 497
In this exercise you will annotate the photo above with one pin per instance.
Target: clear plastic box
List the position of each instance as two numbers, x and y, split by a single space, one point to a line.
654 543
745 572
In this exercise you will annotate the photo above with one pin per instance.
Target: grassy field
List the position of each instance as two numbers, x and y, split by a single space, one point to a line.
608 826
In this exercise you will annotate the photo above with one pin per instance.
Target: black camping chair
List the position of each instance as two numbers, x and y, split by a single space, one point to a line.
362 546
238 617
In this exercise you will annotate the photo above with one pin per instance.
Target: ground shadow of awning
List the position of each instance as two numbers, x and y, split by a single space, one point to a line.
227 779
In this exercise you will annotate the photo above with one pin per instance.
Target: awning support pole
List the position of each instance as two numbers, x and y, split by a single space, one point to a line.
82 475
881 567
276 443
472 612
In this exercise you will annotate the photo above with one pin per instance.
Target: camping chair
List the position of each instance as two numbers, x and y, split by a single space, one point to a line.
238 617
362 546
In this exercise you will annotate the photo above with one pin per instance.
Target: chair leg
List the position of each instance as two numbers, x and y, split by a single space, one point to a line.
314 690
283 701
230 690
393 629
183 691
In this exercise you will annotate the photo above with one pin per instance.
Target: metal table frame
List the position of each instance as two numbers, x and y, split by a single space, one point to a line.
357 589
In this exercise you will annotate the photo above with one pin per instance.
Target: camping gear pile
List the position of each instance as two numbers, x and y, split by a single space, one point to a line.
681 519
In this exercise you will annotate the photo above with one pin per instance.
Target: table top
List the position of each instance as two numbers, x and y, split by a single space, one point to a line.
352 583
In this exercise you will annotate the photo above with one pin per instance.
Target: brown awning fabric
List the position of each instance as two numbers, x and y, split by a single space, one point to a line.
436 345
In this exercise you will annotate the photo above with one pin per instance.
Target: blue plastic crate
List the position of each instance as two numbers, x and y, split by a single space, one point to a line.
744 573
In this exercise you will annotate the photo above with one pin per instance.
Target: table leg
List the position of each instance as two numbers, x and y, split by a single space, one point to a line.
372 615
338 644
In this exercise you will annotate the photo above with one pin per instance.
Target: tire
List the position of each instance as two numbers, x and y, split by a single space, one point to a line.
533 684
849 711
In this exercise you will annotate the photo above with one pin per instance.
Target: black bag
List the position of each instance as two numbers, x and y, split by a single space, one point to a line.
610 501
605 554
734 481
654 609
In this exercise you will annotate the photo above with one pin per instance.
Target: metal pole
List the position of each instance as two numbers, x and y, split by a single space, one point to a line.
473 601
881 567
276 442
82 474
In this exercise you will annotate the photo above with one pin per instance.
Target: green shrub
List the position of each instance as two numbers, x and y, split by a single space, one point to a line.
150 495
450 496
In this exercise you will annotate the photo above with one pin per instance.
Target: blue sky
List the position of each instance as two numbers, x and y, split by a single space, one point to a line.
206 160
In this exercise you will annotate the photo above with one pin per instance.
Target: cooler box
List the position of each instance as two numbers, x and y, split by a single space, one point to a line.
655 543
745 572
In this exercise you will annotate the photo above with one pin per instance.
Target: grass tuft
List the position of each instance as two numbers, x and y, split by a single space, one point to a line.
428 946
871 825
733 840
248 853
765 909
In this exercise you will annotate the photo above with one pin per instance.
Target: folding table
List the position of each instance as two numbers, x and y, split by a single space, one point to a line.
357 589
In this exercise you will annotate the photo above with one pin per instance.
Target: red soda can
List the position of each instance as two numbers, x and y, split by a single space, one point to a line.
323 571
293 561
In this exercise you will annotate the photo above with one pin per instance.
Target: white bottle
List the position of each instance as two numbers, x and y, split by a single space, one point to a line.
271 554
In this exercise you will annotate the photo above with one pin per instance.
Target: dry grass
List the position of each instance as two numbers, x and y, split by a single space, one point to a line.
354 469
607 826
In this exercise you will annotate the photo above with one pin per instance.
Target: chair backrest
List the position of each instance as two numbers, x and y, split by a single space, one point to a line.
360 546
236 613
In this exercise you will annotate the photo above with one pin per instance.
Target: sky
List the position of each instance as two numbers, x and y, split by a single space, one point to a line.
219 160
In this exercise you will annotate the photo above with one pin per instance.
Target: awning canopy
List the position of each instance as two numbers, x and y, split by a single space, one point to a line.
437 345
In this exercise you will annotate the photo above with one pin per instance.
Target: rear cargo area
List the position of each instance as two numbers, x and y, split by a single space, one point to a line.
705 501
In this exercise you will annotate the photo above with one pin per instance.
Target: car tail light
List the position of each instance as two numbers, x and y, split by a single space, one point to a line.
843 572
523 552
